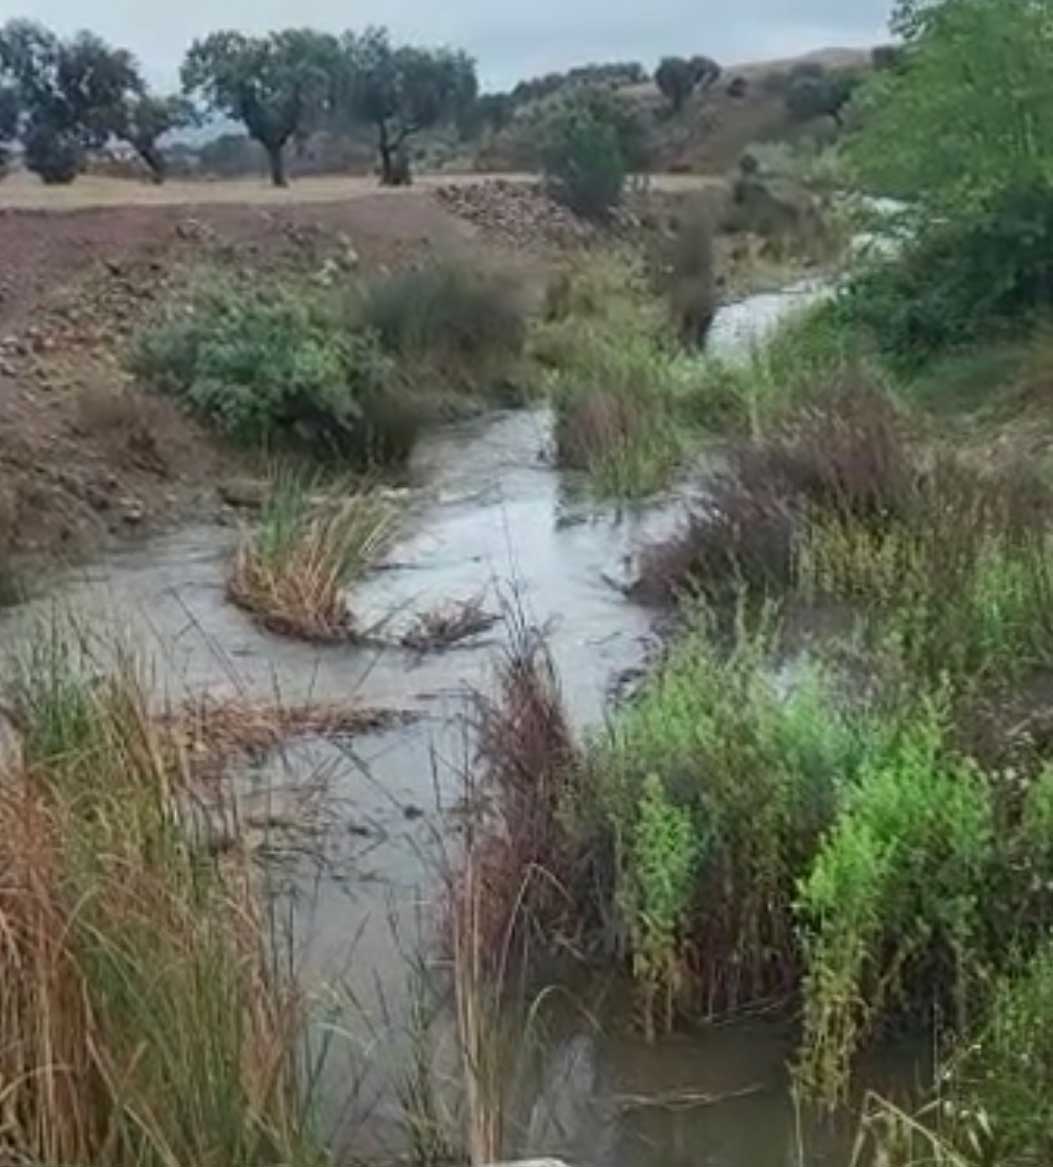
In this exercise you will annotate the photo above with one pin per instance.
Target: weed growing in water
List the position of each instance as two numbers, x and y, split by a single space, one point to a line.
610 353
293 571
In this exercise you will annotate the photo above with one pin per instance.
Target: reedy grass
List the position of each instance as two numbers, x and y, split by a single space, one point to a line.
292 573
146 1018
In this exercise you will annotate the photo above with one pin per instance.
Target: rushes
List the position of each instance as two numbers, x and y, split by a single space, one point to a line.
293 571
144 1019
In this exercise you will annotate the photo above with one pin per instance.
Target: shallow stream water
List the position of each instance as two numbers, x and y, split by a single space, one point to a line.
488 516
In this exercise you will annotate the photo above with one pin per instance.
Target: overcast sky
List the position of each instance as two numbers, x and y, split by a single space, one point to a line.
511 39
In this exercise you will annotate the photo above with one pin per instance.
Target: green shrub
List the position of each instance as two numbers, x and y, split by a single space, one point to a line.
464 326
891 908
266 365
583 163
664 853
959 584
1006 1074
758 773
959 281
610 360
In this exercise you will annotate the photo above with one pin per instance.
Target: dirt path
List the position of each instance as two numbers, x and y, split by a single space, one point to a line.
26 192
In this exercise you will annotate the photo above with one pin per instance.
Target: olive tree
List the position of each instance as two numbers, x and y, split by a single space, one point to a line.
401 91
145 119
678 77
279 86
68 95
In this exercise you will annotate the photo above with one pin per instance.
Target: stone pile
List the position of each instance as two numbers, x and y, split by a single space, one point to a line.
519 213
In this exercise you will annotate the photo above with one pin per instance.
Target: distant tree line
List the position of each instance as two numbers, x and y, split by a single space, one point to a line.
62 98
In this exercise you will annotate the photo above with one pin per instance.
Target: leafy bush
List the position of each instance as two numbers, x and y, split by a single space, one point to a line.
891 906
980 258
664 853
960 583
1007 1073
583 163
960 280
759 775
267 365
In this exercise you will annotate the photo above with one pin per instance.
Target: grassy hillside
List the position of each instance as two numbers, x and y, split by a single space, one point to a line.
709 135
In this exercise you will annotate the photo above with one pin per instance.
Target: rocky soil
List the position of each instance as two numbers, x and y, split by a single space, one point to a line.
85 455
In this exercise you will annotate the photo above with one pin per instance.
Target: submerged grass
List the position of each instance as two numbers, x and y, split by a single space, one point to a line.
146 1018
293 571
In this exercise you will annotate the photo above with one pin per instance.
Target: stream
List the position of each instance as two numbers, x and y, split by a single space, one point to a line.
488 516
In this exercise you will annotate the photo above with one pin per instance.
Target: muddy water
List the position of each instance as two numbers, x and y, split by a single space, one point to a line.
487 516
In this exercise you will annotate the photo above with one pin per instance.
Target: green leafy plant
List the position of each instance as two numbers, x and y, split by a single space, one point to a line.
266 365
893 896
583 163
662 862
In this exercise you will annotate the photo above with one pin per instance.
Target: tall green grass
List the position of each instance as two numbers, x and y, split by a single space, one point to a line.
145 1017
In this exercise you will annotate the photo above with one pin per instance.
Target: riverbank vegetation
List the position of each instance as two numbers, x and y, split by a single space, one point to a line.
832 790
149 1014
346 370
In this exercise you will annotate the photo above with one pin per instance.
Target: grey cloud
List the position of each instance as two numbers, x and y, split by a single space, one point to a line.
510 40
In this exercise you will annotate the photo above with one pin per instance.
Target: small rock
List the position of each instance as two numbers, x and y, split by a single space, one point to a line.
247 493
132 511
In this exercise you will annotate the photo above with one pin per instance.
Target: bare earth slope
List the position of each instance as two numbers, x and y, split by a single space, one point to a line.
84 457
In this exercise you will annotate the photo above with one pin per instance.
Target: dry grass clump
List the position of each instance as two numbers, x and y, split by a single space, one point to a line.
293 571
204 733
845 458
449 624
526 760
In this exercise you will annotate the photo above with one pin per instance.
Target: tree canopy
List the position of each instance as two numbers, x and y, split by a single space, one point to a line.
967 115
678 77
279 86
401 91
63 96
145 118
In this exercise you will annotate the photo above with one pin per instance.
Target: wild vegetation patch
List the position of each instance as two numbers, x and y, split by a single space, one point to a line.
147 1016
347 373
292 573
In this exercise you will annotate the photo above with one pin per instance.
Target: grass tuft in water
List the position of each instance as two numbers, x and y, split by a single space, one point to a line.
293 571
